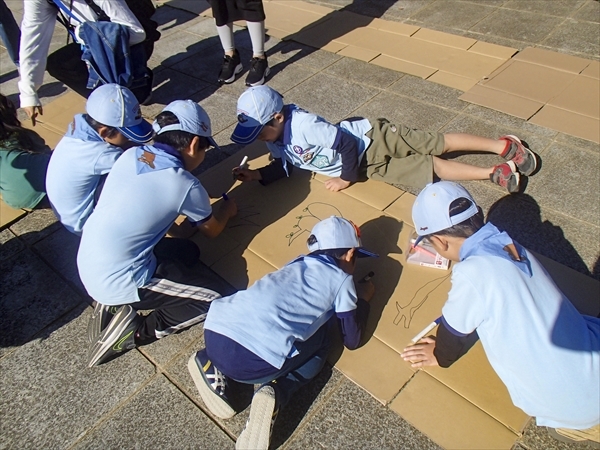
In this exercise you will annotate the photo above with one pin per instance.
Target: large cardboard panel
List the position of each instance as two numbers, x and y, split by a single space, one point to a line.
568 122
450 40
386 374
8 215
474 379
502 101
493 50
305 6
583 291
49 134
361 54
452 80
530 81
283 17
581 96
467 64
378 195
449 419
242 270
59 113
403 66
401 209
402 29
593 70
551 59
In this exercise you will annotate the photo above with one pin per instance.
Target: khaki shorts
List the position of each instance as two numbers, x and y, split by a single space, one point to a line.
401 155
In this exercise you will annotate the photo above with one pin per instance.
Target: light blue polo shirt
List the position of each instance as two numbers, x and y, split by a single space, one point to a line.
284 306
308 140
76 167
545 352
146 190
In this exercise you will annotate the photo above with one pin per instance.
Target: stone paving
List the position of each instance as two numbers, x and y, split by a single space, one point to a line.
145 399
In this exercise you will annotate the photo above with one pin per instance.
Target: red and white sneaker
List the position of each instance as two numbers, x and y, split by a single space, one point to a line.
524 159
506 175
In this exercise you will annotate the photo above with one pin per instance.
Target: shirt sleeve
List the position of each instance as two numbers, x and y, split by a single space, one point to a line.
106 160
317 132
450 345
37 27
119 12
352 324
464 310
273 172
347 147
196 205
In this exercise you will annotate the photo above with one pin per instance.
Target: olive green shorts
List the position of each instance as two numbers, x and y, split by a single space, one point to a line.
401 155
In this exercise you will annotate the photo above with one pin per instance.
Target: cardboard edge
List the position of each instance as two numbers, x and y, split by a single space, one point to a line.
568 122
400 65
445 39
502 101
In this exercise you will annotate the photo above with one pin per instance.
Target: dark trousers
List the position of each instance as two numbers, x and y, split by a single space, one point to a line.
179 293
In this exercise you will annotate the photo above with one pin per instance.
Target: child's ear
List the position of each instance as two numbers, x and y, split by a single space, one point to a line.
279 117
349 255
439 241
105 132
192 149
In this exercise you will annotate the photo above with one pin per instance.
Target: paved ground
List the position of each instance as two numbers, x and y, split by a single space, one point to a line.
146 398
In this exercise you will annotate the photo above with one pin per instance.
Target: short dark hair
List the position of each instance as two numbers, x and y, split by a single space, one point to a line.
177 139
467 227
97 125
335 253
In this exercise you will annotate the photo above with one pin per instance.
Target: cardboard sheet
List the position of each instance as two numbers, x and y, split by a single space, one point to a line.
8 215
550 89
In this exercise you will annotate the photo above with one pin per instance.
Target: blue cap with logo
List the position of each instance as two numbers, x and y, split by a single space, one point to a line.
431 210
255 108
116 106
192 119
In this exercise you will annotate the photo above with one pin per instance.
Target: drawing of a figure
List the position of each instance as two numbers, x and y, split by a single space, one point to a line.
407 312
313 213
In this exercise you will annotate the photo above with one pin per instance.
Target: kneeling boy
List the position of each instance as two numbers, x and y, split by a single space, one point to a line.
546 352
124 261
94 141
276 332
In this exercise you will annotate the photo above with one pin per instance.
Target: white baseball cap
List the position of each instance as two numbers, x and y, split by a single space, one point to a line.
336 232
431 210
192 118
116 106
255 108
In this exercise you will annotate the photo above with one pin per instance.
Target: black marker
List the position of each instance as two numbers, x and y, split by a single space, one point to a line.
368 277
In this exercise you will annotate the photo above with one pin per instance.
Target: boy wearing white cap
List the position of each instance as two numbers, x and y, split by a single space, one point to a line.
546 352
87 152
357 146
125 262
275 333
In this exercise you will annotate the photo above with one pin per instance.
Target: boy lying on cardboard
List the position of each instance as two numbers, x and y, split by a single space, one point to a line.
544 351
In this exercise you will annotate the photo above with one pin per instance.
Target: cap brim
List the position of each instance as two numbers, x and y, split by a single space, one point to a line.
140 133
364 253
419 239
245 135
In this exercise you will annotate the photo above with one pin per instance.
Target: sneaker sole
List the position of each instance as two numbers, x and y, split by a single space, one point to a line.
257 434
211 399
262 80
527 150
110 336
236 71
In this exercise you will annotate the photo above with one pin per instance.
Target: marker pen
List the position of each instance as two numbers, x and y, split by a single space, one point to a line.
426 330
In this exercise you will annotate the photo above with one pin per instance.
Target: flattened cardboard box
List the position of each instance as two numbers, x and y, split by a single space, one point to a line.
550 89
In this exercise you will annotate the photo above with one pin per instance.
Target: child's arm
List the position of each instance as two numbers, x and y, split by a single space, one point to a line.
352 323
442 350
265 175
215 225
347 147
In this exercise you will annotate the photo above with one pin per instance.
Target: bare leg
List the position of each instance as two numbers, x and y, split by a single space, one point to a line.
454 142
457 171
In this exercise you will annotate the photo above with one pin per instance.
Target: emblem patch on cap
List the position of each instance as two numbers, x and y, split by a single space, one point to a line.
298 150
242 118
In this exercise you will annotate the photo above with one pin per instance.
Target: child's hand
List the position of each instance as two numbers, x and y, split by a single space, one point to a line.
336 184
32 112
244 174
421 354
365 290
228 208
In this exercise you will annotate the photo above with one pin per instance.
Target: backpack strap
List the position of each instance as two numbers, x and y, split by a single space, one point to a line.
66 12
102 17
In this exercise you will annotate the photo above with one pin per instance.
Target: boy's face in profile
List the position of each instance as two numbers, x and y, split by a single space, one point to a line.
272 130
114 137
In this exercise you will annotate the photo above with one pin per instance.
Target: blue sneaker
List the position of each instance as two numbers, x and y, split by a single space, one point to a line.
211 384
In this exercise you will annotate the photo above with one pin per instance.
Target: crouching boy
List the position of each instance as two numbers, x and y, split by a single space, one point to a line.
276 332
125 262
545 352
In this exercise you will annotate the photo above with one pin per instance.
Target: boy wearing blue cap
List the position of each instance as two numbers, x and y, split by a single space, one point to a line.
546 352
275 333
124 261
84 156
376 148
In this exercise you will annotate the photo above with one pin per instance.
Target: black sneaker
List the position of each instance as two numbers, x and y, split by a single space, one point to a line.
211 384
232 65
118 336
259 70
263 412
101 317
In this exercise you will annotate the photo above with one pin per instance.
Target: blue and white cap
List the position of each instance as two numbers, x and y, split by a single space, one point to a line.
192 118
116 106
431 210
337 232
255 108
